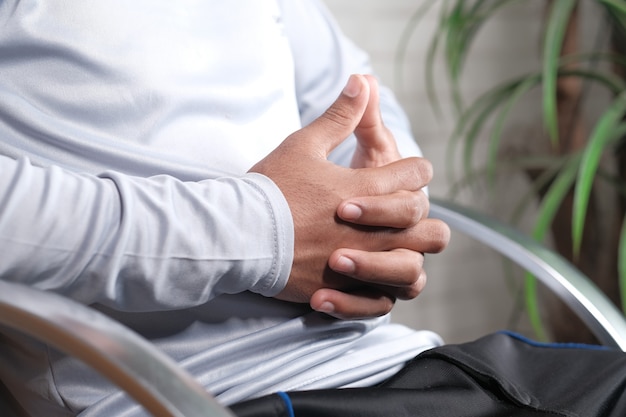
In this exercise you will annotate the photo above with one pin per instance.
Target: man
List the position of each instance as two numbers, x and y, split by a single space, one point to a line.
145 172
135 179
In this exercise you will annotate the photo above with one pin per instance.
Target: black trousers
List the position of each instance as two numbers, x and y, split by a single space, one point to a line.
501 374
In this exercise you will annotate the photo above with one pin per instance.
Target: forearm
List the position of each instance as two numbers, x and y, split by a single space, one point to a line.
142 243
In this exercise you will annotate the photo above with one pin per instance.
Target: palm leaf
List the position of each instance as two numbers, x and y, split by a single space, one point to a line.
430 61
550 166
615 6
594 56
617 11
405 37
496 133
472 121
463 23
604 133
493 100
549 207
555 32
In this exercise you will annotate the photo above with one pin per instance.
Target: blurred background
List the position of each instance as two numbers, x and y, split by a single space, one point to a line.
470 290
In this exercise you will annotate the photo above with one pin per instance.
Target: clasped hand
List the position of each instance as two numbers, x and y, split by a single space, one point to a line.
360 232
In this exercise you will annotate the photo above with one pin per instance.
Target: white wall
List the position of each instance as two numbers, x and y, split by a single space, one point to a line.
467 294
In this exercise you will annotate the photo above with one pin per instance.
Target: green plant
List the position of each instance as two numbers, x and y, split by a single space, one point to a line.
565 173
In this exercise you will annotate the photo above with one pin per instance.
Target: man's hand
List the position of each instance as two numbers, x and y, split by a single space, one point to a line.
376 146
315 187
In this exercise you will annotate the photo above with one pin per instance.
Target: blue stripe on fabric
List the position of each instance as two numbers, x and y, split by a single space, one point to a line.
553 345
285 397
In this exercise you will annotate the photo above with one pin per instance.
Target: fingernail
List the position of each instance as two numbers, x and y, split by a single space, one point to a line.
345 264
326 307
351 212
353 87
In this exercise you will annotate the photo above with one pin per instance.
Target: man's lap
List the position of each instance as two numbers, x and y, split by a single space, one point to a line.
500 374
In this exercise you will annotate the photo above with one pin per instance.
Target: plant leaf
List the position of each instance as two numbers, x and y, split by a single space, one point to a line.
405 37
605 131
430 60
496 132
464 22
550 165
555 195
615 6
611 81
555 32
473 120
480 112
549 206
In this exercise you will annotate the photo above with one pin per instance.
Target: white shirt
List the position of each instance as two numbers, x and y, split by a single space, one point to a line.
126 131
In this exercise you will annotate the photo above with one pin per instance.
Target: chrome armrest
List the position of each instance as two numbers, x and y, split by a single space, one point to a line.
153 379
601 316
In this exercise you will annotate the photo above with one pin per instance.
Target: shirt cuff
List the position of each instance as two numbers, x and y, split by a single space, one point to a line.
283 235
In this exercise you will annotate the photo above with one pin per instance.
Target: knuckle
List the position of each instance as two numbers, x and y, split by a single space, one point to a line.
432 235
425 170
416 279
441 235
421 281
338 115
417 173
416 208
418 286
412 291
388 303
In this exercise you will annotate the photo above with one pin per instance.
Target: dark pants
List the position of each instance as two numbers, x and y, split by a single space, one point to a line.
499 375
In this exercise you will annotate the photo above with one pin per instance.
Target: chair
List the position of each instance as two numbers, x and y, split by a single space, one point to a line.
156 382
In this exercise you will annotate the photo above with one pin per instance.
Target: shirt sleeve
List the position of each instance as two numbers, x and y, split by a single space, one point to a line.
324 59
141 243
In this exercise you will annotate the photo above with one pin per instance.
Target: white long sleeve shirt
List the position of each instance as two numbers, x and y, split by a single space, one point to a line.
126 131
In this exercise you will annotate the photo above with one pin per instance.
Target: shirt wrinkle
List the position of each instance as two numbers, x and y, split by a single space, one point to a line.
187 247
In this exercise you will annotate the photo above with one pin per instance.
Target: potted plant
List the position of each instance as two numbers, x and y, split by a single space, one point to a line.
579 170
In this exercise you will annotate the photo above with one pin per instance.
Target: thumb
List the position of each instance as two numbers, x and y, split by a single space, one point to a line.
341 119
376 145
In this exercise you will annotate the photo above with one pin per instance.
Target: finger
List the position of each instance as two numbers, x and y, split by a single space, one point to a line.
371 123
341 119
410 174
358 304
427 236
376 145
398 272
401 209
